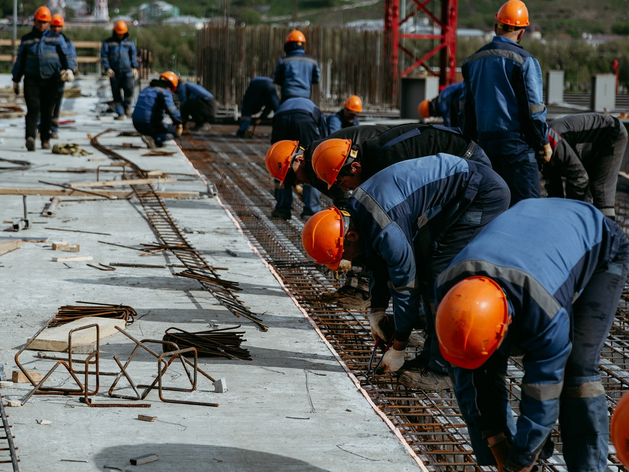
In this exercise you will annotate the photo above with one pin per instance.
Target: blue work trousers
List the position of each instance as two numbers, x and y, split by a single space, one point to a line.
122 91
160 132
311 196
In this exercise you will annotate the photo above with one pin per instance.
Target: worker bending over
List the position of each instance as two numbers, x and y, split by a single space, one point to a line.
260 96
196 104
542 280
346 116
447 105
588 149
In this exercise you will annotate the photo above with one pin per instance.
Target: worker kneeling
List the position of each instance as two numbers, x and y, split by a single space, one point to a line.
409 220
543 280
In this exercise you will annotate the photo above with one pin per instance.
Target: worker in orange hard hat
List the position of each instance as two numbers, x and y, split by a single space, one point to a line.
620 429
154 102
347 116
447 105
495 300
118 57
57 24
43 59
404 249
504 104
296 72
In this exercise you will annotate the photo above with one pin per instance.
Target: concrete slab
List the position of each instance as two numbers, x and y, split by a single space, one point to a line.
292 408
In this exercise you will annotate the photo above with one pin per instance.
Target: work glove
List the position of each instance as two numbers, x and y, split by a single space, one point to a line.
111 73
67 75
16 88
344 266
548 152
376 318
135 73
392 361
179 130
500 450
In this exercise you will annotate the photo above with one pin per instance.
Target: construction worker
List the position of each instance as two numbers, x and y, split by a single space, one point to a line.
260 96
196 104
446 105
297 119
588 149
504 106
44 60
346 116
556 309
56 26
118 56
620 429
148 115
296 72
409 220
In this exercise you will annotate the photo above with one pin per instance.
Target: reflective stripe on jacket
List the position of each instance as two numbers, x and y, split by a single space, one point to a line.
187 91
153 103
41 55
119 55
296 73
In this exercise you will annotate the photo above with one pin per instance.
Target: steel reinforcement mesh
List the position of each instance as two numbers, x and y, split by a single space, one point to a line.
431 423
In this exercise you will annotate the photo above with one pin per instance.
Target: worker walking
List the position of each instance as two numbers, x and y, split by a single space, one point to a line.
260 96
56 26
446 105
119 59
297 119
504 106
196 104
153 103
296 72
346 116
555 309
588 149
44 60
409 220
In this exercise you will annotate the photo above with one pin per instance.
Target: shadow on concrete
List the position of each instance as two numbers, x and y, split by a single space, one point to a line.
200 457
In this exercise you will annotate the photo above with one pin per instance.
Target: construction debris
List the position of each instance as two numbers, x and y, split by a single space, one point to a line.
68 313
51 207
6 247
212 343
150 419
145 459
19 377
72 149
72 258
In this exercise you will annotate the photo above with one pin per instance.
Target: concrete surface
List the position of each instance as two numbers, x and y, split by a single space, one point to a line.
292 408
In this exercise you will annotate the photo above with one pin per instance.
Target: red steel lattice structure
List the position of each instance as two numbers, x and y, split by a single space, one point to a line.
447 39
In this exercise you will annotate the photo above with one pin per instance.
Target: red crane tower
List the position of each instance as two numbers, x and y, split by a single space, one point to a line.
446 48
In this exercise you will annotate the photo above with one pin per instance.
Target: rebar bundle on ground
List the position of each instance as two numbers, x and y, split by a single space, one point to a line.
211 343
68 313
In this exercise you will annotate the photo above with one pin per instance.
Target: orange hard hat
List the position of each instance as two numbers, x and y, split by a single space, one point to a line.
323 235
42 14
57 20
329 157
279 157
471 321
295 36
170 77
354 104
424 109
120 27
620 429
513 13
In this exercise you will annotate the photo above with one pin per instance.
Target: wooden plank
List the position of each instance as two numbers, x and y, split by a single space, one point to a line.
29 239
117 183
56 339
72 258
10 246
109 193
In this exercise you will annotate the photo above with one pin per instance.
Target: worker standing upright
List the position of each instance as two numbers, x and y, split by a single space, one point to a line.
196 104
43 60
260 96
588 149
56 25
296 72
504 106
346 116
556 309
119 59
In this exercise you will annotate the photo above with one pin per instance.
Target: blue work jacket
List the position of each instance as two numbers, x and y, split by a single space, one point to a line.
504 94
188 91
120 55
449 104
542 252
41 56
153 103
393 206
337 121
296 73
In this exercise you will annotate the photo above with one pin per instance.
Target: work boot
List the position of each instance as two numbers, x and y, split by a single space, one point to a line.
45 145
353 295
128 111
149 141
305 216
284 215
54 135
120 117
416 375
30 144
240 134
